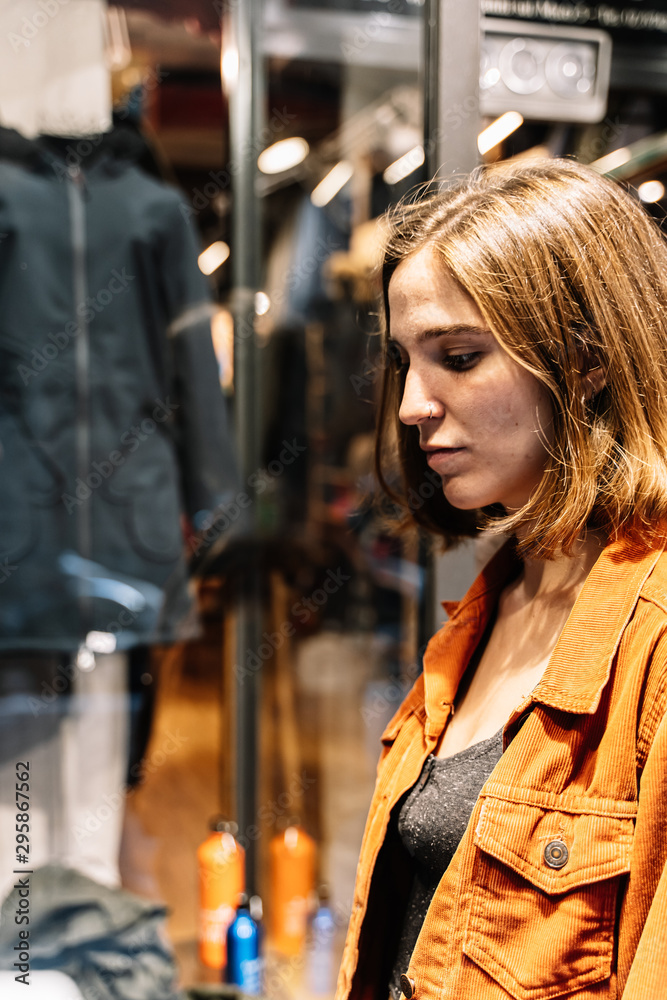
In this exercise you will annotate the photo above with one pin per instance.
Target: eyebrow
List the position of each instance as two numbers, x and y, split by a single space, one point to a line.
456 329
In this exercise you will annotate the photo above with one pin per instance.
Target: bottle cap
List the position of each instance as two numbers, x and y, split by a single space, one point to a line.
220 824
242 901
284 822
292 835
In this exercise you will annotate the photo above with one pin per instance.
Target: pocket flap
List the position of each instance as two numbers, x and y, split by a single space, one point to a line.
517 834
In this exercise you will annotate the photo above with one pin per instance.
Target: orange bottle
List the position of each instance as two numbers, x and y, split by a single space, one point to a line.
292 881
221 878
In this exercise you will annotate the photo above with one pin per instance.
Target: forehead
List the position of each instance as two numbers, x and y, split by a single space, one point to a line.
423 295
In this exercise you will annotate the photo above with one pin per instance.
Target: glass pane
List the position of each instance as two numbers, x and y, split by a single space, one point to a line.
126 558
126 554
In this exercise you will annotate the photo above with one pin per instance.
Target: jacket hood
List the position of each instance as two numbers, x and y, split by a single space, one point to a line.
121 145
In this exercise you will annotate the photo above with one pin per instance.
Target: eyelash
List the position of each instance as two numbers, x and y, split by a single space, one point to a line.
454 362
461 362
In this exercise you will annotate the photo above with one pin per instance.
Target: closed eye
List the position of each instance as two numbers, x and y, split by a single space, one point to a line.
461 362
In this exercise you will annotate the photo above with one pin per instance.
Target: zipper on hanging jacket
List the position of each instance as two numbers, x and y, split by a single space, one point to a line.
77 191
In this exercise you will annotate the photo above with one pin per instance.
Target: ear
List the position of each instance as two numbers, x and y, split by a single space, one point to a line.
594 380
592 373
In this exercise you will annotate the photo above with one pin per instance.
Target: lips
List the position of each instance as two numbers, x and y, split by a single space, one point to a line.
429 448
441 459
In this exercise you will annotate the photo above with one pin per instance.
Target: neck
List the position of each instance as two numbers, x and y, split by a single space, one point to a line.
562 578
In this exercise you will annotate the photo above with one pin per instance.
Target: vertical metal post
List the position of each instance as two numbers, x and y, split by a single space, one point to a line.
451 86
452 32
243 82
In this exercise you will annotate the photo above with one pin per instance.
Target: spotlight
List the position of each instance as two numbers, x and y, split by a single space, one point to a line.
404 166
610 161
283 155
209 260
262 303
498 130
651 191
332 183
552 73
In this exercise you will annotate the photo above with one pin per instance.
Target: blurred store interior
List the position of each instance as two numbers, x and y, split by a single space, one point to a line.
288 127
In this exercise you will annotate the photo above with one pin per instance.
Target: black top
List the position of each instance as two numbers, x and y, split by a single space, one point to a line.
431 823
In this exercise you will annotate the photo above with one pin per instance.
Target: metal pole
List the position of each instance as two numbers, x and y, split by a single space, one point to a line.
451 86
243 82
452 31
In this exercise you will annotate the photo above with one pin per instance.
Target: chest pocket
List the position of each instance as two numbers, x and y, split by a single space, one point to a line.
545 888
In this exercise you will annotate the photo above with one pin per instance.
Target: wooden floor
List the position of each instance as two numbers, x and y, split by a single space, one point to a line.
330 677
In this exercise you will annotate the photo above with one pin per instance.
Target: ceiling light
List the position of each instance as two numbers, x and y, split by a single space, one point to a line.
490 78
262 303
499 130
332 183
612 160
211 258
229 66
283 155
404 166
545 71
651 191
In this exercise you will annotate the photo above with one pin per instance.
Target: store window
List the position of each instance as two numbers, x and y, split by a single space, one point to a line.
129 557
155 760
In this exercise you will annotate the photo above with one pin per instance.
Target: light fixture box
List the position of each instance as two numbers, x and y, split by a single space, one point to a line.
544 72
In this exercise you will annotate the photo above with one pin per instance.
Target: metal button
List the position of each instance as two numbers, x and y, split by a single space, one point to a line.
556 854
407 986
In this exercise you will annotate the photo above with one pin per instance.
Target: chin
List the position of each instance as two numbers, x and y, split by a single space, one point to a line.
465 500
471 499
465 504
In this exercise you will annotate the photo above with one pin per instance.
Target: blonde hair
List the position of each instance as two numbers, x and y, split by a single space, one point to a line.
570 273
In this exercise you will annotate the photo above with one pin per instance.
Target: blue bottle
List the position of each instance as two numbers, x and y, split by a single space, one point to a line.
244 963
321 948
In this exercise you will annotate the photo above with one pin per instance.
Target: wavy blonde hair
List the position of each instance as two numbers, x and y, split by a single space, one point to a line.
570 273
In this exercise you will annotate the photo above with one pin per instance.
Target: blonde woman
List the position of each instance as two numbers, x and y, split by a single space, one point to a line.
517 837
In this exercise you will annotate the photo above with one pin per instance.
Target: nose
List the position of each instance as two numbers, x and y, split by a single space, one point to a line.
416 404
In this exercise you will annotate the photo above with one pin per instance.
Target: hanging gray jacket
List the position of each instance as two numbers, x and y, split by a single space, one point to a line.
112 422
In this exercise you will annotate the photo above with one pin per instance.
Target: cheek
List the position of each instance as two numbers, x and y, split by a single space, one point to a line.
498 415
525 411
516 428
500 399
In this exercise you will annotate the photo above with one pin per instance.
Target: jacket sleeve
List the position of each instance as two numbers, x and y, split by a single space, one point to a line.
208 465
647 978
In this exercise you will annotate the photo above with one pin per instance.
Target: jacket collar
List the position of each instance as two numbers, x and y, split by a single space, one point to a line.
581 662
113 150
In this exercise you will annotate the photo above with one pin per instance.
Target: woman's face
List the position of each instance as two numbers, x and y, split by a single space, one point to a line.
491 419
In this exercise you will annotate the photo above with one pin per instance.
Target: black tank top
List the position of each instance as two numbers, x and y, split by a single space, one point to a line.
431 823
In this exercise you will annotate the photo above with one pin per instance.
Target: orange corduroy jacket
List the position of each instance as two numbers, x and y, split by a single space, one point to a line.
559 885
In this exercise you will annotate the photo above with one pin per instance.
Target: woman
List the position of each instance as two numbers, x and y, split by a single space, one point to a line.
517 838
